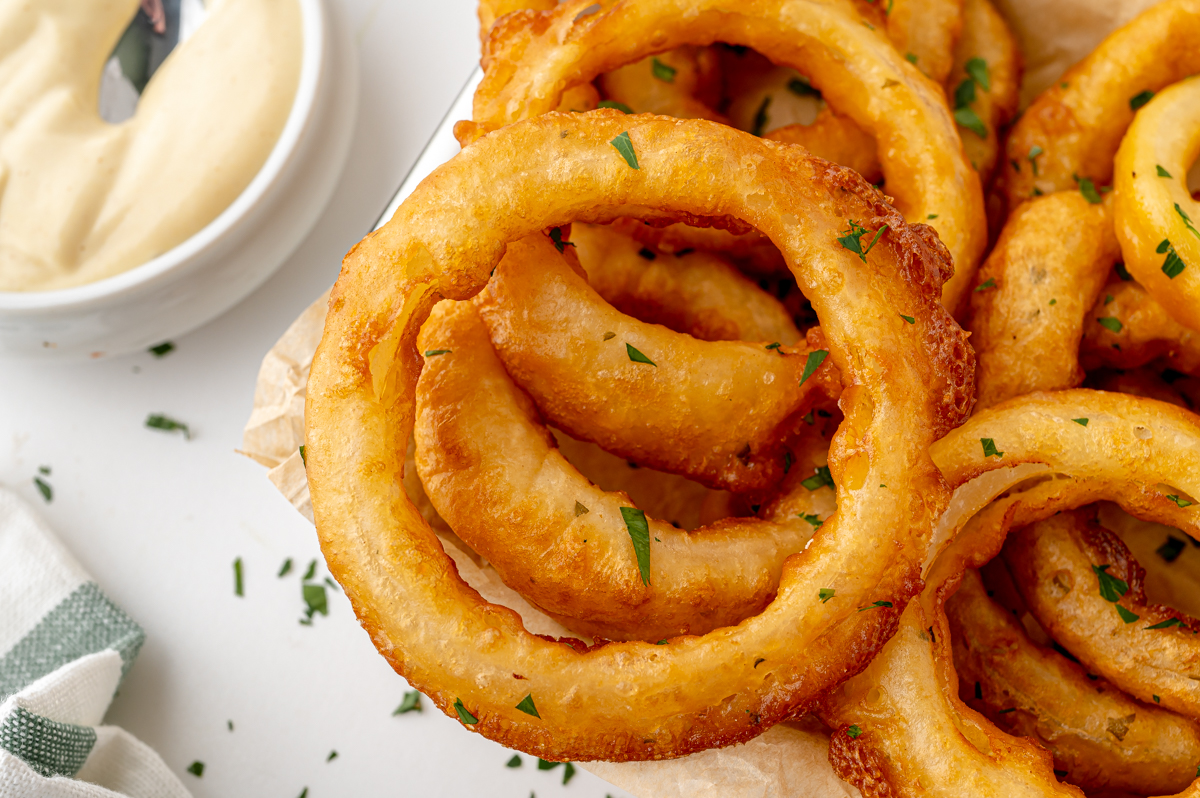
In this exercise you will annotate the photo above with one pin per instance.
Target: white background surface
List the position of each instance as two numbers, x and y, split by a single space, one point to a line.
158 520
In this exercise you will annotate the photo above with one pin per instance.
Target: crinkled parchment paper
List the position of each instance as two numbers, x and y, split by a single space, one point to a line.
788 760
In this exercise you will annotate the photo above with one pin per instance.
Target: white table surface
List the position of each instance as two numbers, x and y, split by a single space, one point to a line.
158 520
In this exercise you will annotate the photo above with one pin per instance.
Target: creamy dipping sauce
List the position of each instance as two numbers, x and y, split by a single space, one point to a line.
82 199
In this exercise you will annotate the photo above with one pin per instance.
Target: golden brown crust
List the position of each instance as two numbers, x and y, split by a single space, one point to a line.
855 761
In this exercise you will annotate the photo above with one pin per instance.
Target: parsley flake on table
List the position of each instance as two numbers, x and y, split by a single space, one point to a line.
637 357
801 87
162 350
622 107
303 793
1032 157
815 359
286 568
1110 323
1088 189
315 599
624 145
989 448
819 480
332 756
852 239
410 703
238 587
168 424
568 773
1173 266
1140 99
463 715
310 572
1181 503
1170 550
813 519
854 731
826 593
1083 422
1167 624
1111 587
1161 172
546 764
985 285
196 768
526 706
875 605
515 762
760 117
664 72
44 488
557 239
639 533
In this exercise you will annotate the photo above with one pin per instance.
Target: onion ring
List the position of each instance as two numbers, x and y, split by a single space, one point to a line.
690 77
715 411
1145 332
912 732
631 700
528 66
1156 218
1029 309
1072 130
1053 564
1100 737
926 30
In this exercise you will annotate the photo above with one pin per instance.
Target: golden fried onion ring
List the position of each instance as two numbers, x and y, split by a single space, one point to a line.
1145 334
694 78
913 732
532 58
1102 738
634 700
985 35
1158 222
1073 129
1052 563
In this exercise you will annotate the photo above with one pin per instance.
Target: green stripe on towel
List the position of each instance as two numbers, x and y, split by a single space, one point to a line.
49 747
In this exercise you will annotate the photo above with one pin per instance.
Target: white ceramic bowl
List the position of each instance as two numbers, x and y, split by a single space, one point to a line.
234 254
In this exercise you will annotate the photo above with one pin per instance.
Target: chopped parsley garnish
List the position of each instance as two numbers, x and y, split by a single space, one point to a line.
310 572
813 519
910 58
1140 99
639 533
167 424
815 359
808 418
964 95
568 772
852 240
196 768
661 643
1122 272
1173 265
664 72
1111 587
1088 189
304 455
966 117
760 116
608 336
286 568
1187 220
229 723
1083 422
1178 501
908 319
332 756
1006 711
556 237
1161 172
545 764
238 587
410 703
1126 615
802 88
647 253
622 107
875 605
977 68
162 350
637 357
303 793
527 706
463 715
436 352
1053 301
515 762
316 600
931 217
986 284
1157 700
1167 624
774 345
44 488
1170 550
989 448
819 480
826 593
624 145
1108 298
580 509
854 731
1034 152
1110 323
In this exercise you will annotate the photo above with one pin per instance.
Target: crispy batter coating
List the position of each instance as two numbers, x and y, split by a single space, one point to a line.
1146 333
533 57
1102 738
1053 565
684 83
635 700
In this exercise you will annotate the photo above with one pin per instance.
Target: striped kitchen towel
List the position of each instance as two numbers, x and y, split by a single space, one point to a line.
64 648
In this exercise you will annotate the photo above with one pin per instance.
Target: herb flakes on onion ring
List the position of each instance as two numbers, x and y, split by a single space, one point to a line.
907 384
